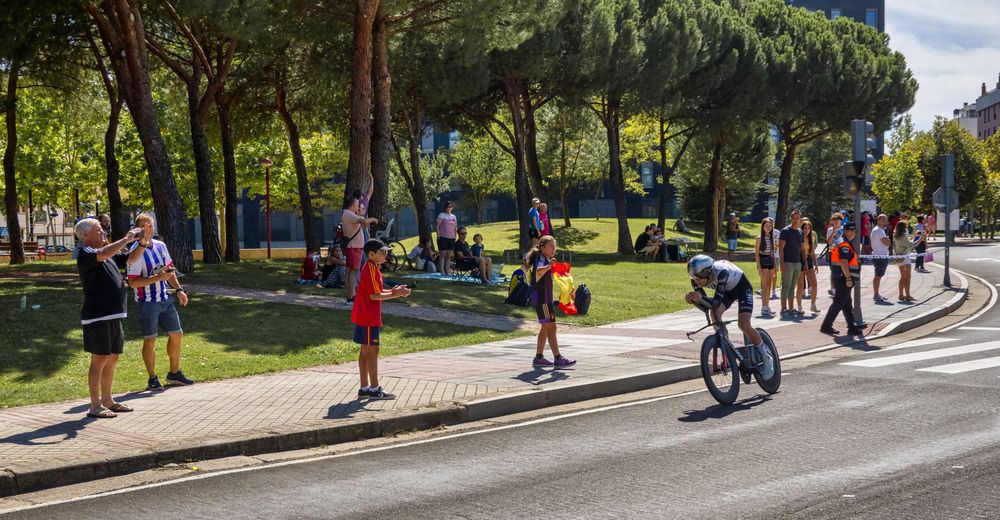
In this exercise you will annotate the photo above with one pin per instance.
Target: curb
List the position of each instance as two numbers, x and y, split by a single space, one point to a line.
16 479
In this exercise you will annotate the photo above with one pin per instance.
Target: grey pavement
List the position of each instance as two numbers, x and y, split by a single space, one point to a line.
54 444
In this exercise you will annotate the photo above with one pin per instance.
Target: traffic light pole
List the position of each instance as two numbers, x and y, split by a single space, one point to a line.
947 181
859 320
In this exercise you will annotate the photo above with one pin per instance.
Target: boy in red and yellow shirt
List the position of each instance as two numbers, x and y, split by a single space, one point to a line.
367 318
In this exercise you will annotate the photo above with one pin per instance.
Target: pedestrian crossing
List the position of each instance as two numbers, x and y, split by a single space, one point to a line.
692 319
953 367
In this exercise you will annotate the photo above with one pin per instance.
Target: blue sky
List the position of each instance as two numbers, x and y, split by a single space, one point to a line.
952 47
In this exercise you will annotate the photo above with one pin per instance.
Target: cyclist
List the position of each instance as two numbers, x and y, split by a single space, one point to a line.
730 285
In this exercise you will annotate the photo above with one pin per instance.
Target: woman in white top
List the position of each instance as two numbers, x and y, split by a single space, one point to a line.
447 224
834 236
764 254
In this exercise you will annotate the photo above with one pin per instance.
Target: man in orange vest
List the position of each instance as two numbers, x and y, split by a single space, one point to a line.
845 271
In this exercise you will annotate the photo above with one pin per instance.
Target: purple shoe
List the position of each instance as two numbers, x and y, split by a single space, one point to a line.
541 362
562 362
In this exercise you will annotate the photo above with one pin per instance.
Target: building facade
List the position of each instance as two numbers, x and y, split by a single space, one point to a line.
988 113
967 118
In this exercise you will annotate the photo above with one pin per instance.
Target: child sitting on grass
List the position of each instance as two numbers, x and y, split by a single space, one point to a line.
308 272
334 269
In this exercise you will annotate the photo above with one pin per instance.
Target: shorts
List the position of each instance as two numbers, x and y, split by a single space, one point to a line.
546 312
533 233
366 335
742 293
103 338
766 263
162 313
445 244
732 244
809 262
880 265
648 249
865 240
353 255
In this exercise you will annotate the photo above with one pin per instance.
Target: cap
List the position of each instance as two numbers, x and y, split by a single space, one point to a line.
375 245
535 201
850 226
732 214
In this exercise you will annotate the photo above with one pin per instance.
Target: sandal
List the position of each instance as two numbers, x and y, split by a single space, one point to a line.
101 413
119 407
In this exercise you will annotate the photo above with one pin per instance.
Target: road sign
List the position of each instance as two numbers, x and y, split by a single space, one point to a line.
939 198
4 233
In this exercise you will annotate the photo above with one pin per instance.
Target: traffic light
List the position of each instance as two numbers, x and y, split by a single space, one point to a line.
861 160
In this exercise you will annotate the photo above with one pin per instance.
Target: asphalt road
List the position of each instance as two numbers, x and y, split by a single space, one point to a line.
906 427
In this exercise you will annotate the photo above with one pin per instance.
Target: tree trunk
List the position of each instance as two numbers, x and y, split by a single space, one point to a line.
210 245
667 173
10 179
531 163
616 175
378 206
785 179
361 90
712 212
232 230
563 185
123 33
294 144
412 121
513 88
116 210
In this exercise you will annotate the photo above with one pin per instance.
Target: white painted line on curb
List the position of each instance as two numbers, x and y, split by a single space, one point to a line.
359 452
993 301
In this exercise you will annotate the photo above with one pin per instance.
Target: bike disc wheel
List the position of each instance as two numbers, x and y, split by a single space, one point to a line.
718 367
769 385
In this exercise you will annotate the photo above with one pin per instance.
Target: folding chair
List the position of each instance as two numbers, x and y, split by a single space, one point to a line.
465 272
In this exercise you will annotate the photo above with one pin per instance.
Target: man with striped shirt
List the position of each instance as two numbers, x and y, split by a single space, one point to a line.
155 305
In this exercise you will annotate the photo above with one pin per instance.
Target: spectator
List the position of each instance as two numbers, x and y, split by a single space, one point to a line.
309 269
465 260
363 200
366 315
155 306
104 306
543 216
932 225
732 234
834 236
845 271
534 222
896 216
920 243
901 245
106 225
810 268
352 224
334 269
656 239
644 244
763 254
866 229
423 256
880 248
679 225
541 259
446 226
790 245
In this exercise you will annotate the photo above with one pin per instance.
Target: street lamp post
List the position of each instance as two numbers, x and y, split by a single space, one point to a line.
266 163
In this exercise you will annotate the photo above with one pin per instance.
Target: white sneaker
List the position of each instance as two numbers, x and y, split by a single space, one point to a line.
774 295
766 311
758 292
814 309
767 371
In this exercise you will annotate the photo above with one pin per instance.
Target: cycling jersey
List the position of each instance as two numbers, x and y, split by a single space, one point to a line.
730 284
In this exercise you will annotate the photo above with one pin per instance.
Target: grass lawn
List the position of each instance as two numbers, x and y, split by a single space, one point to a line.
44 359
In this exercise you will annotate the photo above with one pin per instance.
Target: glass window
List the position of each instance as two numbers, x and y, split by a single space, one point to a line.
835 13
871 18
647 176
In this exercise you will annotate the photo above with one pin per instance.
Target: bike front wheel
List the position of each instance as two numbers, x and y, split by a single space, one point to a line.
771 384
719 368
400 253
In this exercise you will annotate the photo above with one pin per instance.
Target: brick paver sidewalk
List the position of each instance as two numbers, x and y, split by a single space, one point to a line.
52 444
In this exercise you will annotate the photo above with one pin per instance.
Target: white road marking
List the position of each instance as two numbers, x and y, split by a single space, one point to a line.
922 356
979 328
965 366
916 343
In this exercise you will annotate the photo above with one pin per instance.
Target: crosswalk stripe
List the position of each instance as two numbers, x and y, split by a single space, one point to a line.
979 328
921 356
916 343
965 366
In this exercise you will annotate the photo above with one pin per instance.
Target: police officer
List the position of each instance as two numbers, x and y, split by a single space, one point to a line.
845 271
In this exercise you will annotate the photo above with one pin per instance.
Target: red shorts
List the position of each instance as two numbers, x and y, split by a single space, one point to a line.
353 255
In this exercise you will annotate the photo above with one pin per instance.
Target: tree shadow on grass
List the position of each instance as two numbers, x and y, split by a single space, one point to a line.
570 237
38 343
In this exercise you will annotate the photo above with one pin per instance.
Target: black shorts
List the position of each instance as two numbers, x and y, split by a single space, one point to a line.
809 262
445 244
103 338
742 293
766 263
546 312
533 233
880 265
866 240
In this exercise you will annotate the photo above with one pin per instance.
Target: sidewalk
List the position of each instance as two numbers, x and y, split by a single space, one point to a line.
54 444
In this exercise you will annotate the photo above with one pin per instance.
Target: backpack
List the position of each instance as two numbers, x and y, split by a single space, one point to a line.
582 299
517 277
519 295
